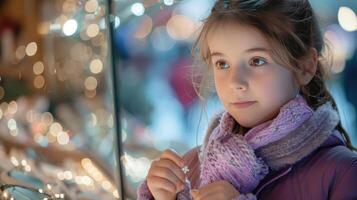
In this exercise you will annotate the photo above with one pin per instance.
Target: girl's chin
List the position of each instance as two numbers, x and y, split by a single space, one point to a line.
247 124
250 123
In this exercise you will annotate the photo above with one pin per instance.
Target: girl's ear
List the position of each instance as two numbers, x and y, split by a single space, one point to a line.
307 68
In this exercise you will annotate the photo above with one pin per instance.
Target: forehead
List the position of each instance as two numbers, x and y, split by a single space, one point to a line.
228 36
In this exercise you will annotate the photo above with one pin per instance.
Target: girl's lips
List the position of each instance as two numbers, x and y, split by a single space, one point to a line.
244 104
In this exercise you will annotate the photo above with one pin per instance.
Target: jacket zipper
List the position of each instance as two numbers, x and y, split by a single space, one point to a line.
272 180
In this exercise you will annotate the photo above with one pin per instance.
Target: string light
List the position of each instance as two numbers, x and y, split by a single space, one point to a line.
116 22
11 124
39 82
96 66
137 9
90 83
31 49
347 19
90 93
169 2
145 28
14 161
20 52
180 27
91 6
92 30
38 68
12 107
70 27
62 138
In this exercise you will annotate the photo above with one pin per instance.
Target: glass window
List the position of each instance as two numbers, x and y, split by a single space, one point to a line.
57 123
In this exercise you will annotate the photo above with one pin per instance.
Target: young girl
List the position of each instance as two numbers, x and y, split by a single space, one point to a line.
280 136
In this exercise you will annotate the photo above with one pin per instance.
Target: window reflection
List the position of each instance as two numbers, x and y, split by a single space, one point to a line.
56 110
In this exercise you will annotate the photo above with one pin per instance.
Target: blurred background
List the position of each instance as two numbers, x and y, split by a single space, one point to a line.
66 65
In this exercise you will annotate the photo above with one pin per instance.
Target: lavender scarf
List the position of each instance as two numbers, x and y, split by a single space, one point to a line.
245 160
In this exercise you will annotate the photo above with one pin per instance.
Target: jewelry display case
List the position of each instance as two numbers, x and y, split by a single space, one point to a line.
57 122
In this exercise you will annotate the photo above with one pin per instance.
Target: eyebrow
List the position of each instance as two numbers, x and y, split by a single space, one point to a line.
256 49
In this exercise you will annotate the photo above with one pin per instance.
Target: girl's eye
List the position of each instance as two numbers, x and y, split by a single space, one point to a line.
221 64
257 62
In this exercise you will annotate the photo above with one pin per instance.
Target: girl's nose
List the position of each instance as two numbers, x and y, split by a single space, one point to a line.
238 78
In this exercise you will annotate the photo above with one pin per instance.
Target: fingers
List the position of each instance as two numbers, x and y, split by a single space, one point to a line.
167 170
163 183
207 191
171 166
213 187
199 195
194 194
215 190
169 175
171 155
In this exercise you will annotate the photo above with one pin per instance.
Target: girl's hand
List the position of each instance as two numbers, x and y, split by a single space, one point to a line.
165 177
221 190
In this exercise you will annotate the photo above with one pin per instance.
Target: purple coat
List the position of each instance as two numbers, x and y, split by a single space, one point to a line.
330 172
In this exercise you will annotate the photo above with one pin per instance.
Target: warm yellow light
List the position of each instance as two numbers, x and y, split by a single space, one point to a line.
43 28
63 138
91 6
47 118
14 132
180 27
55 128
68 175
69 6
86 161
116 194
90 83
39 82
90 93
145 27
60 176
96 66
14 161
106 185
38 68
31 49
20 52
12 107
92 30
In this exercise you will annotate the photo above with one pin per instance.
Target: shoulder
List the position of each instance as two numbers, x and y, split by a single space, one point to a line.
331 160
342 168
338 157
335 169
328 173
343 184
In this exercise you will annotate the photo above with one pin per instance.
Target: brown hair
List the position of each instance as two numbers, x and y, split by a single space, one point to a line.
291 28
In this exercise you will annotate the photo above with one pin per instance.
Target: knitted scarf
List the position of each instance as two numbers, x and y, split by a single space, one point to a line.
244 161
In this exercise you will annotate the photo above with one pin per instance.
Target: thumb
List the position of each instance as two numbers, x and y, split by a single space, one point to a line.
194 193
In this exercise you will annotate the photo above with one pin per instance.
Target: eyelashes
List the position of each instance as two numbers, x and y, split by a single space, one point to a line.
260 61
221 63
254 62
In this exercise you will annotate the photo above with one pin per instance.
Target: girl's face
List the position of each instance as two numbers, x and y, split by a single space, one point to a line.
244 71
